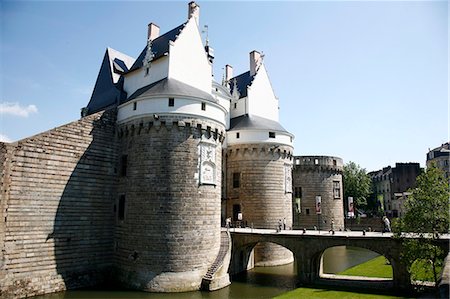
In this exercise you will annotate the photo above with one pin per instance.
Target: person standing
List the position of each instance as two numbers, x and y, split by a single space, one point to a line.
386 225
228 222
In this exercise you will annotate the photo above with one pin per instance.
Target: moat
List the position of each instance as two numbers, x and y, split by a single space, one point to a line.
260 282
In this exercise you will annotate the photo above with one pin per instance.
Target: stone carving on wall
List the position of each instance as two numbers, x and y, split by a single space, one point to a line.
207 159
288 178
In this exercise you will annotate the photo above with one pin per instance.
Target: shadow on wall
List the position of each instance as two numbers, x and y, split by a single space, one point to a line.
84 222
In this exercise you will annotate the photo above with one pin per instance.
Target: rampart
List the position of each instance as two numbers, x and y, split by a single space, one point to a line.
56 207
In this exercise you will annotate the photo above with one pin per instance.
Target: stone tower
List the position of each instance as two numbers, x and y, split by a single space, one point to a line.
318 193
259 160
170 130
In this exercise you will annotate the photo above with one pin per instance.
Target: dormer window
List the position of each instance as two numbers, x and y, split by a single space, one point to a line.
271 134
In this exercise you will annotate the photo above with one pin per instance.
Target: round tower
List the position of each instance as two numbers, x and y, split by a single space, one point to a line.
168 208
259 186
318 194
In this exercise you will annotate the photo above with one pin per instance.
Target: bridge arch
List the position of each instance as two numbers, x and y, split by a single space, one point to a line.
242 258
309 266
308 247
350 256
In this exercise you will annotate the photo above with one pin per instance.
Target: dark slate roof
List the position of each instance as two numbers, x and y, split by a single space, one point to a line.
160 45
242 81
105 92
245 122
170 87
119 66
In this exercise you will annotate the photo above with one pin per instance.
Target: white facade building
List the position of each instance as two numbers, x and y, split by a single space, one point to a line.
173 75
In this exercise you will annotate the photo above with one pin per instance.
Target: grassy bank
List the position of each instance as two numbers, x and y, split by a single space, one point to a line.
377 267
320 293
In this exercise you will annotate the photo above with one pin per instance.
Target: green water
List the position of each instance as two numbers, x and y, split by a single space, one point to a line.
260 282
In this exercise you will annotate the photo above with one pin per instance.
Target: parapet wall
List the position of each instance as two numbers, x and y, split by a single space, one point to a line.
56 207
319 163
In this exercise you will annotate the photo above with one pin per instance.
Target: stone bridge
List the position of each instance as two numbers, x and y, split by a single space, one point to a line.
309 246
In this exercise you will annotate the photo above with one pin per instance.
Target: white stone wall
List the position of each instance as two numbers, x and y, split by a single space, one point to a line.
182 106
238 107
138 79
262 101
220 93
188 61
258 136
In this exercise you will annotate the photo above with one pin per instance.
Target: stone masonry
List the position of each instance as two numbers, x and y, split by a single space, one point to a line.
263 196
56 208
318 176
170 232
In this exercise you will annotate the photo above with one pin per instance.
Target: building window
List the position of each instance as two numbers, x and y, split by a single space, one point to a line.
171 102
271 134
297 192
236 212
334 162
123 165
337 189
235 105
237 135
203 106
134 105
121 210
147 70
316 161
307 211
236 179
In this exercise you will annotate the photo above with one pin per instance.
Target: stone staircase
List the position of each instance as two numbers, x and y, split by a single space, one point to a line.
210 281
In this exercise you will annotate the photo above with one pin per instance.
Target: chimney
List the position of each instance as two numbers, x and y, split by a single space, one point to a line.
153 31
194 11
228 72
255 62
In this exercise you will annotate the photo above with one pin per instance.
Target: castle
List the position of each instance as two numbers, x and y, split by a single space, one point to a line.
134 191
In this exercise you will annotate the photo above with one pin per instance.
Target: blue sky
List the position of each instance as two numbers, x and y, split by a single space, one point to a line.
365 81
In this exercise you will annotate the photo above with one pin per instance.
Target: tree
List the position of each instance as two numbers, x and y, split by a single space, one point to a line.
427 215
357 184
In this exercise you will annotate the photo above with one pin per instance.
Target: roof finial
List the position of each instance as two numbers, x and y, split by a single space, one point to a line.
205 30
224 82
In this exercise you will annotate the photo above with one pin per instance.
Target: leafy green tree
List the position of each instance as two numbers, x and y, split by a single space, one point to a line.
357 184
427 215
